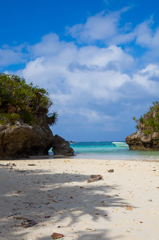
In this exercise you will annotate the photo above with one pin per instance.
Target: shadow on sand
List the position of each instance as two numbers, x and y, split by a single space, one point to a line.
61 196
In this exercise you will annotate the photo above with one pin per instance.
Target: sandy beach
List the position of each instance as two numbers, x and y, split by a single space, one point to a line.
55 195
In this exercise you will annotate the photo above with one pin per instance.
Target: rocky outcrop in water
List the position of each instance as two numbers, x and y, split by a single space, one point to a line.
61 146
140 141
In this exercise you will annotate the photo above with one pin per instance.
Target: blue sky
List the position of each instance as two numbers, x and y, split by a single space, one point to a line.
99 60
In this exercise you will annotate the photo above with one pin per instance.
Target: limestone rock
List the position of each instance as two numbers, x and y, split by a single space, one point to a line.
61 146
21 140
140 141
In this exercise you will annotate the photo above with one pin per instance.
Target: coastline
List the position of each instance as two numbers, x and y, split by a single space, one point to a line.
54 192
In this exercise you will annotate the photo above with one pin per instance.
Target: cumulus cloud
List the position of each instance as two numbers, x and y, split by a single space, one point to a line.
49 45
89 71
104 27
99 27
145 36
151 75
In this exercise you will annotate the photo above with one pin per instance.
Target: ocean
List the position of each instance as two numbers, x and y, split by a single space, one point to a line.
109 151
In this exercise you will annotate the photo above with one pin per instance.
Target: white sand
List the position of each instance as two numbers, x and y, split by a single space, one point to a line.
79 210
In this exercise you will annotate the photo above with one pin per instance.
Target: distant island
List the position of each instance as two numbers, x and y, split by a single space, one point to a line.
24 120
147 136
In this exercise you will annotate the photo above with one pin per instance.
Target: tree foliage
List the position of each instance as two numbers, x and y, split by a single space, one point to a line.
24 102
149 122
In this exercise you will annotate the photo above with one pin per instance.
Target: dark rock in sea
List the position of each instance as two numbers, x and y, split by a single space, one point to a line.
140 141
61 146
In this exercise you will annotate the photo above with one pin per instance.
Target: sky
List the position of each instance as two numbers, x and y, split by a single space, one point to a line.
98 59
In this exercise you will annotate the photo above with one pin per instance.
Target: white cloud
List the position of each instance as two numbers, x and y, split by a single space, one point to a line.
150 70
9 56
149 79
49 45
104 27
123 38
79 78
89 84
99 27
145 36
88 71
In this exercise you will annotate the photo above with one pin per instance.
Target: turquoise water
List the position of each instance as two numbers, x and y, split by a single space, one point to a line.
107 150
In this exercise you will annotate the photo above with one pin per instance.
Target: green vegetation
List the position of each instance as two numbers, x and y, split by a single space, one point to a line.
149 122
23 102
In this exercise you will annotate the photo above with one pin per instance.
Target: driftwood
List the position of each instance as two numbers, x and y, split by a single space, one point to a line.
57 235
95 178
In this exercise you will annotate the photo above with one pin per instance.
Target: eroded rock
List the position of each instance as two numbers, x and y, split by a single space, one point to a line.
21 140
61 146
140 141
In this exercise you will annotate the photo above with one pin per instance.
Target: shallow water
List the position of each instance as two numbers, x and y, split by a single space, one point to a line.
107 150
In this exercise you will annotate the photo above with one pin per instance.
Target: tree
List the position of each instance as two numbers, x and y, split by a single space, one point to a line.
149 122
23 102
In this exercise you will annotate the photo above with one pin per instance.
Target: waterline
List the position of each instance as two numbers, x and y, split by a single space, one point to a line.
108 151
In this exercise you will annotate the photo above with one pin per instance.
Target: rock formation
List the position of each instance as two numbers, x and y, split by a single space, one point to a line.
61 147
22 140
140 141
24 120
